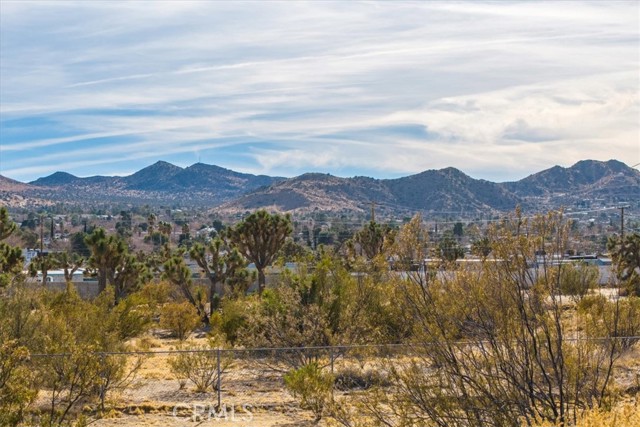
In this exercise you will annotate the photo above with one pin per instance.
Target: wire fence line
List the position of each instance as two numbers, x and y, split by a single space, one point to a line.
182 380
319 348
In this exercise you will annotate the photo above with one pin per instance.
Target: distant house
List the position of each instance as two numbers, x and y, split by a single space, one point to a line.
57 276
207 232
29 255
590 259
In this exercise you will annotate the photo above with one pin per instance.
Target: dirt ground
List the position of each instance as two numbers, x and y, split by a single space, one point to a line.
254 419
252 394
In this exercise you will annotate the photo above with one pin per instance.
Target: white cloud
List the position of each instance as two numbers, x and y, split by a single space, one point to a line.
496 84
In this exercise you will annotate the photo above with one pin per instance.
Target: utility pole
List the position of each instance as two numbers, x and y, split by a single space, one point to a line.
373 213
41 235
622 224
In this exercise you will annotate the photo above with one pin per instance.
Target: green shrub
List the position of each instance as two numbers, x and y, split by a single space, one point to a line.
312 386
200 366
180 318
233 317
577 280
17 383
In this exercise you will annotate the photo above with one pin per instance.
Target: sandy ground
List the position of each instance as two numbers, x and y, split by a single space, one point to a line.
251 419
252 394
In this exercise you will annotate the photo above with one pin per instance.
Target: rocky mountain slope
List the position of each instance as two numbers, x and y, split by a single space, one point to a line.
435 190
557 179
450 190
444 190
160 183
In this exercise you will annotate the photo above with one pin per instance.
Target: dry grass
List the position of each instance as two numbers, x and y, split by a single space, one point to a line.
626 414
240 420
155 393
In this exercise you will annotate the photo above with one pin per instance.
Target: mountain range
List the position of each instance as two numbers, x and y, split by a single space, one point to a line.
444 190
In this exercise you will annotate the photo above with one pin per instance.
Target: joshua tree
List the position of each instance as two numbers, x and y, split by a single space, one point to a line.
176 271
371 239
106 254
220 263
69 263
115 265
626 256
11 258
43 263
151 221
259 238
7 226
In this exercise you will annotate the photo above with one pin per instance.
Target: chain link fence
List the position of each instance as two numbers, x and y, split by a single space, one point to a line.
188 383
192 384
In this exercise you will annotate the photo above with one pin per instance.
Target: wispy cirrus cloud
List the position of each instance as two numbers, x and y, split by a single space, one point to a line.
498 89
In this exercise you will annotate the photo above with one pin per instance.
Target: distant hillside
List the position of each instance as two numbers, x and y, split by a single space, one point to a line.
160 183
225 181
55 179
160 176
8 184
444 190
315 191
447 190
12 193
450 190
558 179
587 181
435 190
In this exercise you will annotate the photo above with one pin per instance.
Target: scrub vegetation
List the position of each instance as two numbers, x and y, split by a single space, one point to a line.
515 338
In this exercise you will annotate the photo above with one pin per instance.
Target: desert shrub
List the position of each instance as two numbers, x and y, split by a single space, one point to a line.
311 386
146 343
129 318
629 320
358 379
200 366
153 296
21 316
180 318
232 317
117 372
624 415
70 379
18 388
319 305
493 340
594 304
619 319
577 280
76 332
626 261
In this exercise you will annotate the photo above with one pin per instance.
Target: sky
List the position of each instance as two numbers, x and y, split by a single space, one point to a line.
385 89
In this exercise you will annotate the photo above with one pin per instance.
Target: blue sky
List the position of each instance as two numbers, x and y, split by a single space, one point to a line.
499 90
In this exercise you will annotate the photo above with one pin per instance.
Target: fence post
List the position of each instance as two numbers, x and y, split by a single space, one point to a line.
331 358
103 384
219 375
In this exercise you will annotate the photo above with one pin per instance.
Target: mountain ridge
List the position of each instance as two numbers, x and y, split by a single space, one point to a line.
447 189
